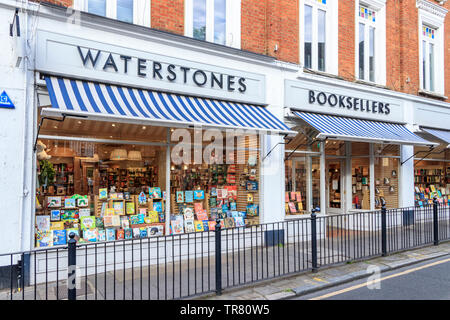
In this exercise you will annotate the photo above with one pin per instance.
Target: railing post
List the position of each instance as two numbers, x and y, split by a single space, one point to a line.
218 234
383 229
71 268
314 240
435 222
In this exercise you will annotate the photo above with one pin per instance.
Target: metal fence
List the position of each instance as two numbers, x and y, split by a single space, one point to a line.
187 265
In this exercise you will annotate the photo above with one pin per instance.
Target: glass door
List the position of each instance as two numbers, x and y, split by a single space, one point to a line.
335 186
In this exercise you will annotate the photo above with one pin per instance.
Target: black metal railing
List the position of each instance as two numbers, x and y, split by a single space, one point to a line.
188 265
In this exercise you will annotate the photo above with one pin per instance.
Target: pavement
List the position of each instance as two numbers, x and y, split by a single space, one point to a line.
306 283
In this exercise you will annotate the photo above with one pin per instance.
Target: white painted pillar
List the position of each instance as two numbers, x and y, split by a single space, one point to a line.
406 177
323 203
168 196
372 177
348 195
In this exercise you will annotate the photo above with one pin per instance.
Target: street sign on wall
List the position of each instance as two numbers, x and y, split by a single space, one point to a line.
5 101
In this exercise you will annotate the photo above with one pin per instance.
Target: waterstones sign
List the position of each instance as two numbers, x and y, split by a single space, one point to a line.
336 99
78 58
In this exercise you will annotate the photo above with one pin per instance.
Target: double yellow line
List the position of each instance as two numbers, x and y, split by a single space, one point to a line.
335 293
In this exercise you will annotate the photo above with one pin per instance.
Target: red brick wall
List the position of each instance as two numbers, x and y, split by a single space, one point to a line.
270 23
168 15
346 40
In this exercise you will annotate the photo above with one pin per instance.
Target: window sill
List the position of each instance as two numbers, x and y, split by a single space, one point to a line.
320 73
372 84
430 94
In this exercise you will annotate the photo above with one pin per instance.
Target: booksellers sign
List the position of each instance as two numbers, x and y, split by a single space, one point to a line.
345 101
83 59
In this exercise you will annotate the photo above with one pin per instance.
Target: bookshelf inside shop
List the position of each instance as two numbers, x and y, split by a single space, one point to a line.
432 179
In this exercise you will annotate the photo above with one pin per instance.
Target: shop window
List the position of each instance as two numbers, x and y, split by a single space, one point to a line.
431 46
371 41
386 182
318 32
431 175
361 183
130 11
335 148
215 21
360 149
107 181
296 186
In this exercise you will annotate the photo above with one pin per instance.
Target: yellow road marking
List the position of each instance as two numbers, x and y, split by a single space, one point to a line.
331 294
320 280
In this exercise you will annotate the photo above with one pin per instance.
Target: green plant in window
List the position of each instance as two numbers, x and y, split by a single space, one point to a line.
47 172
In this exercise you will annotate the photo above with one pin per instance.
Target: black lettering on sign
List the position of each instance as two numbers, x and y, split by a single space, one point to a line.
88 57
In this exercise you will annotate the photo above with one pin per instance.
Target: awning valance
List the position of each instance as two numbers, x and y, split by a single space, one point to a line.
350 129
104 102
443 135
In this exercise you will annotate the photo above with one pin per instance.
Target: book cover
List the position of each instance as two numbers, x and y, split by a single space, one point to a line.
157 206
128 232
70 203
141 217
120 234
116 221
109 212
84 212
118 208
189 225
43 223
142 199
83 201
229 222
136 233
155 193
103 193
134 219
55 215
99 222
126 196
180 196
298 196
211 225
199 195
213 192
113 196
143 211
212 202
59 237
292 207
198 207
153 217
239 222
198 226
129 207
188 213
87 223
189 196
90 235
162 217
143 232
53 202
202 215
57 225
233 206
124 222
155 231
177 224
205 225
75 231
72 223
44 238
250 197
108 221
101 234
110 234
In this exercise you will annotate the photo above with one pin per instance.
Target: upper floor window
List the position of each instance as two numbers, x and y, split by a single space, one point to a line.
431 46
215 21
371 41
318 33
131 11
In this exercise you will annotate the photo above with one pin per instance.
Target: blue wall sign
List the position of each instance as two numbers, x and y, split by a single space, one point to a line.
5 101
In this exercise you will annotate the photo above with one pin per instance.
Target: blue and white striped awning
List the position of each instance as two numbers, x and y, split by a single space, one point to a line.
104 102
443 135
350 129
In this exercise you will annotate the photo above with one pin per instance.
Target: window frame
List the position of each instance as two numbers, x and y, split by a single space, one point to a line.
331 35
141 10
232 22
432 15
379 6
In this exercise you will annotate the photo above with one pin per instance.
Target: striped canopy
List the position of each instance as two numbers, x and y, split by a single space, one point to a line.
443 135
98 101
350 129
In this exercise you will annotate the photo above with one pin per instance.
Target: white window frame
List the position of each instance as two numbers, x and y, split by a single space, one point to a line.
141 10
331 36
233 21
432 15
379 6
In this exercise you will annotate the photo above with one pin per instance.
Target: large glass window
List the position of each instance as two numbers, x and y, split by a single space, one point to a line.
219 21
97 7
125 10
209 20
314 34
428 58
200 19
366 44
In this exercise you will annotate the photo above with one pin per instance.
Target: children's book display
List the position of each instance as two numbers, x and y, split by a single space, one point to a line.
105 217
424 196
294 203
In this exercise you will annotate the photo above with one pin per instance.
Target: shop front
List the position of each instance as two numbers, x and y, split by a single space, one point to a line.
132 144
432 165
348 153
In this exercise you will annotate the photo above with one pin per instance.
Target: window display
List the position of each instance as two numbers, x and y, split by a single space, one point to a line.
386 182
360 183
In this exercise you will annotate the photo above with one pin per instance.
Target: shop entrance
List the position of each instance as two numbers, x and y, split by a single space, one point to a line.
335 186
